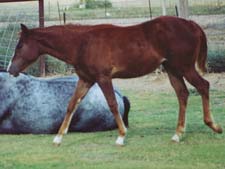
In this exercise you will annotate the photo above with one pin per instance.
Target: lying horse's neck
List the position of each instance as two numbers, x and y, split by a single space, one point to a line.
56 41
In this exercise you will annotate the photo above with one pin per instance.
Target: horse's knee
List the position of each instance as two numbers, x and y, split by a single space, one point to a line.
70 108
113 107
184 94
72 105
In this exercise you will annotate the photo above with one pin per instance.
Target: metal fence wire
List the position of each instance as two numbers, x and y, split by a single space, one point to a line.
11 16
210 14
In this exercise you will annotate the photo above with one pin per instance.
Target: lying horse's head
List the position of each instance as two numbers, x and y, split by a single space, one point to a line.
26 52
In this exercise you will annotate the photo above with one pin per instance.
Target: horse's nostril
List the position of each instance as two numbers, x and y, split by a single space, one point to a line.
13 71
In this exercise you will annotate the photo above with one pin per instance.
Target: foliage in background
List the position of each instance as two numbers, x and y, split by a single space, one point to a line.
94 12
93 4
53 66
100 9
207 10
216 60
33 69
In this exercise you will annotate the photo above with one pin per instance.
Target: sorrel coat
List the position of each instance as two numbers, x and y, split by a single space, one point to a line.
102 52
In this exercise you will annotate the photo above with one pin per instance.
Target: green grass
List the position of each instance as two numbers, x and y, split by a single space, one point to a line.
153 119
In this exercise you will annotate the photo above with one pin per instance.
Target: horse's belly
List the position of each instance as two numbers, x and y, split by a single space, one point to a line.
136 69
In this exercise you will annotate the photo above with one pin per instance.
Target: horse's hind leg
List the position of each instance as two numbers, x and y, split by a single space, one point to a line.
105 84
80 91
202 86
182 94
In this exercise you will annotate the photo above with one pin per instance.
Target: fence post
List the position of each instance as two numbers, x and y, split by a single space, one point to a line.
183 8
163 7
150 8
41 24
176 10
59 12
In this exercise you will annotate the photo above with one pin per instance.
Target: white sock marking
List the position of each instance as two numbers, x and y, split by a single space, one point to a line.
58 139
120 140
175 138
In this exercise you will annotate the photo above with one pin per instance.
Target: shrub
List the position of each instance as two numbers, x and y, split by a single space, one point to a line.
33 69
216 60
92 4
207 10
54 66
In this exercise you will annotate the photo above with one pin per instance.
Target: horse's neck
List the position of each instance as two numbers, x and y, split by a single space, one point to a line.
55 43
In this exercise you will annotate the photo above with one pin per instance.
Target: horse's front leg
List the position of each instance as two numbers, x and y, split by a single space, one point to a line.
80 91
105 84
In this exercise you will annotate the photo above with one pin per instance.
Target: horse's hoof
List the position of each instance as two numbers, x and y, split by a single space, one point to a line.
56 144
175 138
57 140
219 129
120 141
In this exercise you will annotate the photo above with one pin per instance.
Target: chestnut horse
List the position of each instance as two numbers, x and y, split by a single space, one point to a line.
102 52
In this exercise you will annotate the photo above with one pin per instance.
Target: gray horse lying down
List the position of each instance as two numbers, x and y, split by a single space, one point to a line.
38 106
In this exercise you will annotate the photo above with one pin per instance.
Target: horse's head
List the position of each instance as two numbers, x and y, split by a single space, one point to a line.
26 52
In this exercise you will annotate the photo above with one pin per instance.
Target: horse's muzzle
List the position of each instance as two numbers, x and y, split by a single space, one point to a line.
13 70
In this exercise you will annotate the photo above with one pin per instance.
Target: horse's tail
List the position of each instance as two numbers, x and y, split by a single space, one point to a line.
126 110
201 53
202 57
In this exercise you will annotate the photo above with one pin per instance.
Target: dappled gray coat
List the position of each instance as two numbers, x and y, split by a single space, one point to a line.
38 105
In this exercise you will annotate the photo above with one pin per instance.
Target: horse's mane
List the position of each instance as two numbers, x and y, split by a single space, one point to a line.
72 27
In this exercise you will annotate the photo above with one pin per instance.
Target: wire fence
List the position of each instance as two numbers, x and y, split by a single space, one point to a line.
11 16
210 14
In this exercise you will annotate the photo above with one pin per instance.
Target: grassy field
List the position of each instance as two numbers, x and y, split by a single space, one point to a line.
152 122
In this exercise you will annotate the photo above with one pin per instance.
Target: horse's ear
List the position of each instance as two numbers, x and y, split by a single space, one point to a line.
24 28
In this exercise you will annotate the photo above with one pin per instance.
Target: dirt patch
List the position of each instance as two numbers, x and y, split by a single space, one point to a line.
160 82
